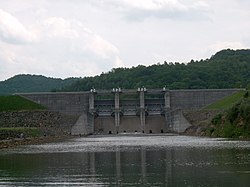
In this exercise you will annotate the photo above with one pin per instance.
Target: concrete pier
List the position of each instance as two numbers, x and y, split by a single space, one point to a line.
117 109
142 109
167 109
91 101
91 116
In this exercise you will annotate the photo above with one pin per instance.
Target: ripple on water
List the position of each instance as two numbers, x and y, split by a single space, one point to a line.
97 143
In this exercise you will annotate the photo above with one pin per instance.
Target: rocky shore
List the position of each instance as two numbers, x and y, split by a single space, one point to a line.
200 120
10 143
53 126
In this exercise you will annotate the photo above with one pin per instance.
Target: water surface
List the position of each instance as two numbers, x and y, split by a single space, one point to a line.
128 160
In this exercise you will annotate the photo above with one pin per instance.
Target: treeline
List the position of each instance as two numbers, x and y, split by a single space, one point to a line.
32 83
225 69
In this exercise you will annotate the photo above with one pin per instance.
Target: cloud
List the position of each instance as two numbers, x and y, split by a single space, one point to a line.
6 56
171 9
65 48
83 38
13 31
155 5
59 27
78 38
102 47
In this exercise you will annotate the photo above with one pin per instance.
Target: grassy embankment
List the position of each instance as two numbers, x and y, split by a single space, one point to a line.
17 103
227 102
234 122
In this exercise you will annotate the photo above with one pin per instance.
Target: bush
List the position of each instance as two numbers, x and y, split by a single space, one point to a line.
217 119
232 114
234 123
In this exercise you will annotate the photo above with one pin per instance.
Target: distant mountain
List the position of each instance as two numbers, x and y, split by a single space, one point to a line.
32 83
226 69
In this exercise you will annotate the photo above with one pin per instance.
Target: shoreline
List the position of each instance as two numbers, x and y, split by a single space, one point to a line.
16 142
49 127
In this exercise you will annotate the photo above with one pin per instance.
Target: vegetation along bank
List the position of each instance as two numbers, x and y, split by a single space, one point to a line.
228 118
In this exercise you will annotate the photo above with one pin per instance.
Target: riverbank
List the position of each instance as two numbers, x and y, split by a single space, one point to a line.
34 127
50 123
11 143
227 118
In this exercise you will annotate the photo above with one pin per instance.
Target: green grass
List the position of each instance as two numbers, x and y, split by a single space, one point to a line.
18 132
226 102
16 103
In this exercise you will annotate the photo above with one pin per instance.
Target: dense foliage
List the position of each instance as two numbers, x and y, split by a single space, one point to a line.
235 122
226 69
15 103
32 83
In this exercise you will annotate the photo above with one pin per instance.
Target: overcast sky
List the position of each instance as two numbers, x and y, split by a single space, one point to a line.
73 38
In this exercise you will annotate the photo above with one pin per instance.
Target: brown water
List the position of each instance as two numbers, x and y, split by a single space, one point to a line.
129 160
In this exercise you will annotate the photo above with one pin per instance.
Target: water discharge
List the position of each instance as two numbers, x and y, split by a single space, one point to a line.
128 160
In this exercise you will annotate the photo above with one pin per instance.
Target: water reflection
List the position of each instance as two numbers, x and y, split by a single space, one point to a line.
124 165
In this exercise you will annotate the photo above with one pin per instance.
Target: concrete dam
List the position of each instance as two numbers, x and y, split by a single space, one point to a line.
129 111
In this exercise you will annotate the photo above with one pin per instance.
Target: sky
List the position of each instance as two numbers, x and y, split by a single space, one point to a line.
78 38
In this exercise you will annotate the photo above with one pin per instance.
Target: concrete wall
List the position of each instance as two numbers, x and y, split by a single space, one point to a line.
77 102
155 124
104 124
194 99
130 124
84 125
178 122
68 103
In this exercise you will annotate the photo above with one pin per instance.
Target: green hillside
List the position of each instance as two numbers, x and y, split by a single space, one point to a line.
32 83
225 69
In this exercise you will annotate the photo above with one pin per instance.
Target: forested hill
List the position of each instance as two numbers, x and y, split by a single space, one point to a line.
32 83
225 69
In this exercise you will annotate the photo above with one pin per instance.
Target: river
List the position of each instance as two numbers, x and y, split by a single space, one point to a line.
129 160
